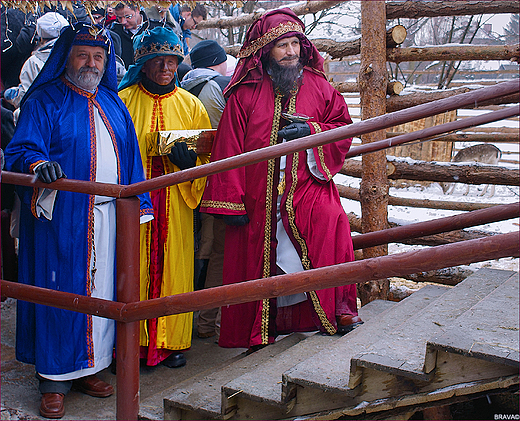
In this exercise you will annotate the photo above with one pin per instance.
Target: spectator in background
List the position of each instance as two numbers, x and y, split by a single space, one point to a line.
103 16
207 81
99 14
231 65
130 21
18 43
156 104
188 19
9 257
48 28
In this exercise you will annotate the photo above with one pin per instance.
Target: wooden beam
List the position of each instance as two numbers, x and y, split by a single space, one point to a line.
447 172
454 52
247 19
421 9
353 194
472 137
339 49
426 240
400 102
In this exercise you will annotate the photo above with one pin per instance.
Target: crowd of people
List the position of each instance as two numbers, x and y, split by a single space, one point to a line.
90 90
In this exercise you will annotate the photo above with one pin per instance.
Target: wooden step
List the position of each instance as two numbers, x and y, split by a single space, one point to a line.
402 351
488 330
200 397
330 370
264 385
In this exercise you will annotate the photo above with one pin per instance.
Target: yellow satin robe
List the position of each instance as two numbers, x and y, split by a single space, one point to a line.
178 110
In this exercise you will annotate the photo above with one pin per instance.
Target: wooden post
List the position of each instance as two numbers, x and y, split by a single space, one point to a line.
127 346
374 184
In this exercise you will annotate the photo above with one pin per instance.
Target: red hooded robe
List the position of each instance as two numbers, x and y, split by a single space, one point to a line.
311 210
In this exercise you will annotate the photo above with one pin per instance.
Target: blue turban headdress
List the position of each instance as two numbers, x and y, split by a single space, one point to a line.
77 34
159 41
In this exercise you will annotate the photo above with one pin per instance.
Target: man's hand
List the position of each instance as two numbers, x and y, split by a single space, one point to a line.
49 172
182 157
295 131
236 220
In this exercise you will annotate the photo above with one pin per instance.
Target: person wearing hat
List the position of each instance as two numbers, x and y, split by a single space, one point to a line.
156 103
72 124
207 81
283 215
48 28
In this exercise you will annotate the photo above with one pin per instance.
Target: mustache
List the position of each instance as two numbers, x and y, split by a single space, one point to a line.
289 58
86 69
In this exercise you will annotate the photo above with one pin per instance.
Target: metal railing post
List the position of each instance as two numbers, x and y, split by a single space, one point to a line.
127 344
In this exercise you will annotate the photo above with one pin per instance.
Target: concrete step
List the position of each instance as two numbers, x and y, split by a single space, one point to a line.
402 351
200 397
330 370
476 332
263 384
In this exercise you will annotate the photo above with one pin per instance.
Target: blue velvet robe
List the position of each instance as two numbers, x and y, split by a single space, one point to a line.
57 124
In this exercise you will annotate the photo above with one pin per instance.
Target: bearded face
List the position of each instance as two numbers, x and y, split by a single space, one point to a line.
285 64
284 77
86 66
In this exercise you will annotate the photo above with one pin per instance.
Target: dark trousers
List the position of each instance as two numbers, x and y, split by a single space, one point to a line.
52 386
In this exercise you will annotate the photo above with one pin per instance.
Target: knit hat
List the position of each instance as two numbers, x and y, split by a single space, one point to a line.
50 25
207 53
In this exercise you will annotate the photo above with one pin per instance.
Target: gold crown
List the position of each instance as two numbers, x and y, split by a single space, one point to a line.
156 48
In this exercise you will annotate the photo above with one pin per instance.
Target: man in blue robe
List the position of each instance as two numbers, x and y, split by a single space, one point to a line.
72 124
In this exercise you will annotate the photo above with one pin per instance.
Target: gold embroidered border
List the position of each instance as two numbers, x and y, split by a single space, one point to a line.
329 327
317 129
268 211
269 36
222 205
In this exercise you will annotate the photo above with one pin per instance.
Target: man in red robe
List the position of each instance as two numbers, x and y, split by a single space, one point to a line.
283 215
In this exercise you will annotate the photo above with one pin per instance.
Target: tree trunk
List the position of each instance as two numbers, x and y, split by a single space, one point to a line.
428 171
353 194
421 9
374 184
454 52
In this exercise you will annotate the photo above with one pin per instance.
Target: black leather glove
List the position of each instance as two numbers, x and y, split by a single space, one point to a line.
295 131
182 157
49 171
236 220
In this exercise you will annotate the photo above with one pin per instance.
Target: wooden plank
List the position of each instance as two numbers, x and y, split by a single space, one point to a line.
330 370
489 330
402 351
202 394
263 384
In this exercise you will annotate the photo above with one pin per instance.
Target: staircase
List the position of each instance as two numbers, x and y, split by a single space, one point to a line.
436 346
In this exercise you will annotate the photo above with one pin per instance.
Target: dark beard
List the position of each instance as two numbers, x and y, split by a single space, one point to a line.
284 78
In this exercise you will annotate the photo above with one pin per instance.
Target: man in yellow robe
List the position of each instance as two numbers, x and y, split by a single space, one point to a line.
167 246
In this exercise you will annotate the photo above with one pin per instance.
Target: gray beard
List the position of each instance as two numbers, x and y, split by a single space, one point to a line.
284 78
85 78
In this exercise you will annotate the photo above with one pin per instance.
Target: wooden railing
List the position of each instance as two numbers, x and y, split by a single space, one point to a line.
129 310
